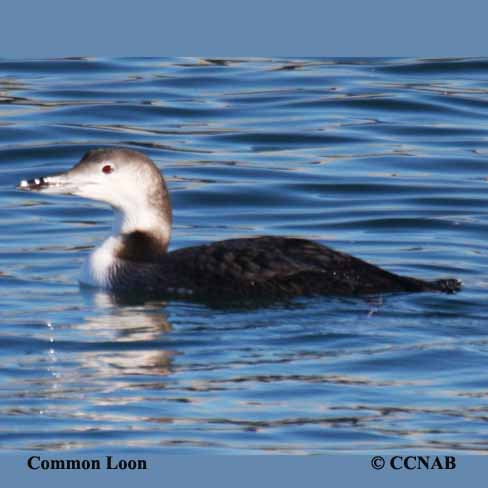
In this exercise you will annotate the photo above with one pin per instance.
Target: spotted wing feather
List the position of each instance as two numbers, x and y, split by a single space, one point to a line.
283 266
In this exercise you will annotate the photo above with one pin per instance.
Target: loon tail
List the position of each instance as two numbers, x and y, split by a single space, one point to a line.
447 285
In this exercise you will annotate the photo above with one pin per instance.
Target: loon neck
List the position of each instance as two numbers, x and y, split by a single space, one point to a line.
148 227
142 237
142 247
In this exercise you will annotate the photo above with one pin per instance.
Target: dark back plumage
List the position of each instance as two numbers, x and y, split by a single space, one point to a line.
271 267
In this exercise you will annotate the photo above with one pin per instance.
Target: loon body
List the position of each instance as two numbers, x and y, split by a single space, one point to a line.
135 258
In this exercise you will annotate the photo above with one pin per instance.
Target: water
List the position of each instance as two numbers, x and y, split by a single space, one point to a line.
383 158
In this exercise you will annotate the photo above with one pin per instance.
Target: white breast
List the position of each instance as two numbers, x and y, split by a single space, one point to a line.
96 268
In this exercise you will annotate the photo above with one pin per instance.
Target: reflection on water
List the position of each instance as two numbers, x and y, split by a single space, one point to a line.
383 158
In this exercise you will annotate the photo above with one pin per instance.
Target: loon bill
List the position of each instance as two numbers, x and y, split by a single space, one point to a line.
135 258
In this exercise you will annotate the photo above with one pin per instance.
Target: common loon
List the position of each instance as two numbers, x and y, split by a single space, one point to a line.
135 258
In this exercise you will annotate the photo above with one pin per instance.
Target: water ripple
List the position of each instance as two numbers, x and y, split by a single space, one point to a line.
383 158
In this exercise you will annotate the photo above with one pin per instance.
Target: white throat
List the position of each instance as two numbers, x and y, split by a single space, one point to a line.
141 219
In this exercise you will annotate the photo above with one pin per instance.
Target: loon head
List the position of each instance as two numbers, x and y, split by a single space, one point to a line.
127 180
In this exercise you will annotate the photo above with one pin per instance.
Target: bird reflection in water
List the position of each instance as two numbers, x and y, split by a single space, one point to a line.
121 342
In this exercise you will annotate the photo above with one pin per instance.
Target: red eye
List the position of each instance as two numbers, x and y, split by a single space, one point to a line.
107 169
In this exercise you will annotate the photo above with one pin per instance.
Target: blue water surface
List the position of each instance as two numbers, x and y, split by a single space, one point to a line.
383 158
